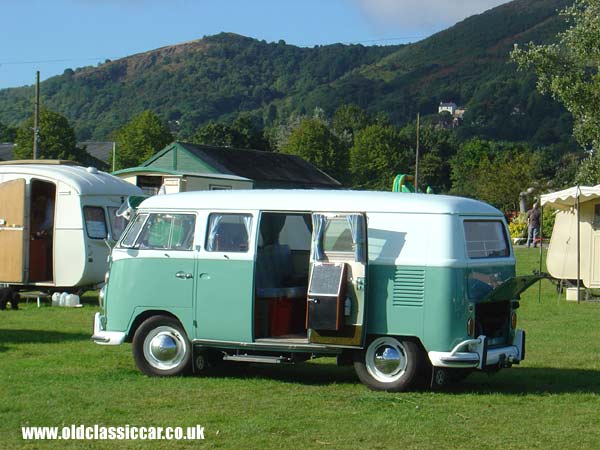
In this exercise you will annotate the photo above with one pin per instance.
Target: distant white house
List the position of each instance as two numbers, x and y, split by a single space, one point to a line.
449 107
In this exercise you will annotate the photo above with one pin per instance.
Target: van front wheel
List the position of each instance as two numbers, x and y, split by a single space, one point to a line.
388 364
161 347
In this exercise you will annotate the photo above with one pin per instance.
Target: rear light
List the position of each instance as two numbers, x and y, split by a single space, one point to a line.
513 320
471 327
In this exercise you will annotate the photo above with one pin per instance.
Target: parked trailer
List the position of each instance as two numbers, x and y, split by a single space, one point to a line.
57 220
397 283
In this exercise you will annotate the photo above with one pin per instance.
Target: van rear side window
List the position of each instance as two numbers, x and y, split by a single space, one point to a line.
486 239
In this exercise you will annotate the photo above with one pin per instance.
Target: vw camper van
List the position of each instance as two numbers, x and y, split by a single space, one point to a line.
397 284
56 218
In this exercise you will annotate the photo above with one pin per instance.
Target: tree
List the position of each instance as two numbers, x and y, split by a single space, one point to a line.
313 141
242 133
494 172
141 138
348 120
568 69
7 134
57 139
377 156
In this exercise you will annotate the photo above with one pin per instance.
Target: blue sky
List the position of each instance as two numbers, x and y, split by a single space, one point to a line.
53 35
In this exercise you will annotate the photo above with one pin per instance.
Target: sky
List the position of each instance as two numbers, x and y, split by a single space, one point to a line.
53 35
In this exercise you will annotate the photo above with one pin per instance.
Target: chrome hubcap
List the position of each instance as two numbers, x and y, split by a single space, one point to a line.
386 359
164 348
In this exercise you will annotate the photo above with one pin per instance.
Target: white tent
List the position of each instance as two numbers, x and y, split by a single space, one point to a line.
574 252
567 198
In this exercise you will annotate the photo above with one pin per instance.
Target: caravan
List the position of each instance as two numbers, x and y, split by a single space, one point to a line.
56 219
396 283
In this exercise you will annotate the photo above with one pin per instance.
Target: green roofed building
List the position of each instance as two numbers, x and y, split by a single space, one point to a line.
183 167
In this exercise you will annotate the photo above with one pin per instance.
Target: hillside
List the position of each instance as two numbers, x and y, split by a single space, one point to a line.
217 77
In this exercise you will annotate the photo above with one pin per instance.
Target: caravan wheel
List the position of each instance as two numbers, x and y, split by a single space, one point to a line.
161 347
388 364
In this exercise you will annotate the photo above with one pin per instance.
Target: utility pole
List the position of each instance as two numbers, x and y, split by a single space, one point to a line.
36 117
417 157
114 155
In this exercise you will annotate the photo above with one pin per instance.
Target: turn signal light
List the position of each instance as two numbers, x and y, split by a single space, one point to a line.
513 320
471 327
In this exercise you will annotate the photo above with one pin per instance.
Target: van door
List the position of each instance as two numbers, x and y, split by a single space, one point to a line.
336 303
225 279
12 231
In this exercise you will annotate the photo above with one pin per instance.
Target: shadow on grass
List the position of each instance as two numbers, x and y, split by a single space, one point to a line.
521 381
531 380
38 337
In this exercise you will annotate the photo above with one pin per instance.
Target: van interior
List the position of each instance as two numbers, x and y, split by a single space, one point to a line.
41 228
281 276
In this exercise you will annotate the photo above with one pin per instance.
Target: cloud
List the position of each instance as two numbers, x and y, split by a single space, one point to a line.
423 16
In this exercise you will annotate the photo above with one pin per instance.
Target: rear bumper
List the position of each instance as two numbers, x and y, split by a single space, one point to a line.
474 353
103 337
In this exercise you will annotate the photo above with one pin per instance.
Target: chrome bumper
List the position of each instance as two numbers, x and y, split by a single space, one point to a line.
474 353
103 337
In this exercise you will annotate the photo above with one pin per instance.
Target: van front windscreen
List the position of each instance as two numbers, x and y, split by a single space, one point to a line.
486 239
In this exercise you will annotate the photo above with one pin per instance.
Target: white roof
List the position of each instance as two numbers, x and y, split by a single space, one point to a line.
568 197
85 181
321 200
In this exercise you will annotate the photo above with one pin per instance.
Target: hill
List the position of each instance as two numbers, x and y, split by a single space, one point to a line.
217 77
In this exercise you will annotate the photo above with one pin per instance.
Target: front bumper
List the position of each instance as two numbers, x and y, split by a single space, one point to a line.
474 353
103 337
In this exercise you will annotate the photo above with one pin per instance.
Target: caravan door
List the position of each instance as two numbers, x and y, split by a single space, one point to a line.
336 302
12 231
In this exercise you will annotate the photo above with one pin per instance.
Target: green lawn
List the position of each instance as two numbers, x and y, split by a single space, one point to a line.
53 375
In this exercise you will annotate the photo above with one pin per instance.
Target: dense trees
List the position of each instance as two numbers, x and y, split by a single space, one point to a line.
7 134
316 143
141 138
56 139
568 70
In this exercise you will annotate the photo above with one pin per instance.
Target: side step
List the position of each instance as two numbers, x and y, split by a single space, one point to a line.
257 359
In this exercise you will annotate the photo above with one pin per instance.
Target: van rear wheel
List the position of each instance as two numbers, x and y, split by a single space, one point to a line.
388 364
161 347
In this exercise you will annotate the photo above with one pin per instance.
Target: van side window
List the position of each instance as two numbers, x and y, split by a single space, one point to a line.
338 236
134 230
486 239
228 232
168 232
95 222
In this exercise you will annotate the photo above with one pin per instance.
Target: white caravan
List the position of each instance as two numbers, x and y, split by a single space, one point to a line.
57 220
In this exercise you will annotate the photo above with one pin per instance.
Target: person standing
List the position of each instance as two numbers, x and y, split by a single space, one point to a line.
533 225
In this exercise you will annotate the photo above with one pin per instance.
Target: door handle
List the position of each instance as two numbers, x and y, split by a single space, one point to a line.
183 275
313 300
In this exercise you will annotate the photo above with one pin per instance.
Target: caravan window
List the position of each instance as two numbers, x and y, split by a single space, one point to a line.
117 223
338 236
95 222
486 239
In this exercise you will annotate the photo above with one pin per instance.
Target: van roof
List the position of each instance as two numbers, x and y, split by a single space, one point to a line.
85 181
321 200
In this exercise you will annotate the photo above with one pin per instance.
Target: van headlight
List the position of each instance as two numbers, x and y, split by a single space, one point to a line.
106 276
101 296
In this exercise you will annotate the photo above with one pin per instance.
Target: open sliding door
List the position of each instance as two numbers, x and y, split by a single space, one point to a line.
12 231
336 308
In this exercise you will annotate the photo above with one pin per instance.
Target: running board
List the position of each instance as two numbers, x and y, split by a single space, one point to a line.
257 359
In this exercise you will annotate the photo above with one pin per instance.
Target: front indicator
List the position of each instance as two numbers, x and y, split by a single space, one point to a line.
471 327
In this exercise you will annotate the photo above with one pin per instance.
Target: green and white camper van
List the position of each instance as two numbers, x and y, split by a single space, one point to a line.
398 284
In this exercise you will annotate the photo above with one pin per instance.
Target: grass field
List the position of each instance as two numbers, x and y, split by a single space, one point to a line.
53 375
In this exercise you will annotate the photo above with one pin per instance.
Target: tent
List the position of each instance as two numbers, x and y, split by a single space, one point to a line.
574 252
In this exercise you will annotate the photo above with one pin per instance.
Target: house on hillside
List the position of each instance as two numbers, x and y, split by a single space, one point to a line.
447 107
183 167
